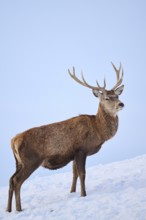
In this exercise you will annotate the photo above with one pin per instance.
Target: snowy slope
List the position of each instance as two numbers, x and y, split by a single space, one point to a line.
115 191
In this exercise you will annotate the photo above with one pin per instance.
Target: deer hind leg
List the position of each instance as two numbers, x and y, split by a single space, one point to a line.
75 177
17 180
11 190
80 160
26 171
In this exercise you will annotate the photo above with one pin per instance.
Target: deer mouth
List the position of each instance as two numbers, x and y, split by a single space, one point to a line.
120 106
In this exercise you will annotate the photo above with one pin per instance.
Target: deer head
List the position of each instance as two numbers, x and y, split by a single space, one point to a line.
109 99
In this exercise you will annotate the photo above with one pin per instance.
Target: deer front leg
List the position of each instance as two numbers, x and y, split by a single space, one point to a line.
80 160
75 177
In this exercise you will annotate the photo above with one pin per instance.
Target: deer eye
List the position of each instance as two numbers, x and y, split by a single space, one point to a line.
107 98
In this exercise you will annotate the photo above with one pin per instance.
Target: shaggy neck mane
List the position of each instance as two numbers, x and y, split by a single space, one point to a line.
107 123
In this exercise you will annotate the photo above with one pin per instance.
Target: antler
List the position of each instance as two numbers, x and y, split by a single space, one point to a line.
84 83
98 87
119 79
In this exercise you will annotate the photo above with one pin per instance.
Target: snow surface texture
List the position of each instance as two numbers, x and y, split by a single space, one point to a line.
115 191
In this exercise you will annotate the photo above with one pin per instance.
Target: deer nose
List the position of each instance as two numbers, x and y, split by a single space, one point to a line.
121 104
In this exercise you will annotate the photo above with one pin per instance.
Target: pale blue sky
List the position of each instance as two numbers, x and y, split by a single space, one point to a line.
40 40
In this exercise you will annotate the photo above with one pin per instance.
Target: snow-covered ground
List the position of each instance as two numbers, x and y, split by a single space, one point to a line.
115 191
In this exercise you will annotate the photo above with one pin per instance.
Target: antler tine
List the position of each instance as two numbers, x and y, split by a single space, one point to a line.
104 83
117 70
101 88
74 76
98 84
119 79
84 83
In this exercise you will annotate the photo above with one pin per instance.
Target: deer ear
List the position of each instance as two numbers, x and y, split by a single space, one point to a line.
119 90
96 93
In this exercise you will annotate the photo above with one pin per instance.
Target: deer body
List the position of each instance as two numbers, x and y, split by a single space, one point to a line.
55 145
57 149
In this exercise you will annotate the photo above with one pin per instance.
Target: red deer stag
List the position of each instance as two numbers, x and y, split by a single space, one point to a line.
55 145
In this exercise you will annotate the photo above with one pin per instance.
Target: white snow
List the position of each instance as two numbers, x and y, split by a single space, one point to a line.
115 191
